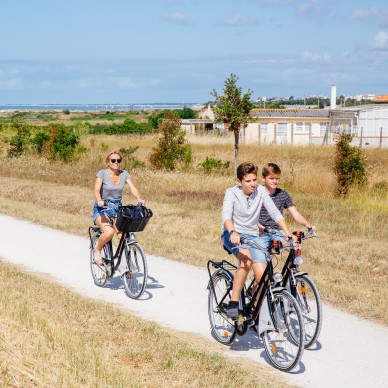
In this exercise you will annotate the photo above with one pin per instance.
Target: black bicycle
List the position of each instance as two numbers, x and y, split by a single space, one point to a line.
300 285
133 268
268 308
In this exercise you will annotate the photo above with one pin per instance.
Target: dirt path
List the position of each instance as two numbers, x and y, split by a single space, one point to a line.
351 352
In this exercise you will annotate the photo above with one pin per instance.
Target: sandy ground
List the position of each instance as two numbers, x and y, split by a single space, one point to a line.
351 352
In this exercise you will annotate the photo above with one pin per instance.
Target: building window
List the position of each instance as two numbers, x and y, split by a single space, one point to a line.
303 127
322 129
263 129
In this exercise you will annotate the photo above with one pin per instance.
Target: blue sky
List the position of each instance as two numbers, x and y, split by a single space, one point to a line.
134 51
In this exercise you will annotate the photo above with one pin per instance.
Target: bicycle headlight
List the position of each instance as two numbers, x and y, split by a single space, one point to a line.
298 260
277 277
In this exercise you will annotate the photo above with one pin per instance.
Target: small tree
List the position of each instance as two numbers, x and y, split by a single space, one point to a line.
233 109
349 165
21 141
172 149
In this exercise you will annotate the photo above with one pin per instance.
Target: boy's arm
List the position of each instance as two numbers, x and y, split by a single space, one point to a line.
299 218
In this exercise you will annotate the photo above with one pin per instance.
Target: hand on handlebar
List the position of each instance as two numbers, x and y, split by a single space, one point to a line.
235 239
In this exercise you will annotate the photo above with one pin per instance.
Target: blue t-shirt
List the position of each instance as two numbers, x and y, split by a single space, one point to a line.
109 190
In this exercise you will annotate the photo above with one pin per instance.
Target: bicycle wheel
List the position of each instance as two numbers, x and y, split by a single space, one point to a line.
309 300
222 327
99 272
135 279
285 344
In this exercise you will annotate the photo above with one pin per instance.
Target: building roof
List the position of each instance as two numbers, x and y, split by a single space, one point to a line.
382 98
290 113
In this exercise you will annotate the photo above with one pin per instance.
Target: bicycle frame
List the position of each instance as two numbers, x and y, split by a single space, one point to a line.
119 250
253 309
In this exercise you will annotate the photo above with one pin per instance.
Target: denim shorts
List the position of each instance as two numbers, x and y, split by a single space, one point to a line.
264 239
257 255
111 209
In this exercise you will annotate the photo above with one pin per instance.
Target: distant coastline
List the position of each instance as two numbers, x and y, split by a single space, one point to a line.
98 107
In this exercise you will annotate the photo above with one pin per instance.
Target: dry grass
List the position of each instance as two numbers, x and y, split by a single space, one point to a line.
347 262
53 337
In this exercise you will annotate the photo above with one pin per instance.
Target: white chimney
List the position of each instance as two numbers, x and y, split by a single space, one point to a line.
333 97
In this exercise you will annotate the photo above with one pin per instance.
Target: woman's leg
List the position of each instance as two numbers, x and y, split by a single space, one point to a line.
103 222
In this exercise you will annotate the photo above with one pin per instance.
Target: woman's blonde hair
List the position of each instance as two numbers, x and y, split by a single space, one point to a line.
114 152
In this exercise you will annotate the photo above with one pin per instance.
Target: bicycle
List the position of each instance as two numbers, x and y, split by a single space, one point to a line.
270 310
300 285
134 271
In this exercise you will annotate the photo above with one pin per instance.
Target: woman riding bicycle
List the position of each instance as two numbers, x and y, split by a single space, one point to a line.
108 190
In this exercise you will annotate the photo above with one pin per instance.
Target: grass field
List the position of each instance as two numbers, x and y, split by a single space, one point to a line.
348 261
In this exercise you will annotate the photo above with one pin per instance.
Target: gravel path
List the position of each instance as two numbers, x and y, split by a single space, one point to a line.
351 352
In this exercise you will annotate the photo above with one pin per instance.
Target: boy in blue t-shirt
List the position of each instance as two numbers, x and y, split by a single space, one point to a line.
271 176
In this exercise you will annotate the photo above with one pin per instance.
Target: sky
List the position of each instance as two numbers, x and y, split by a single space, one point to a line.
149 51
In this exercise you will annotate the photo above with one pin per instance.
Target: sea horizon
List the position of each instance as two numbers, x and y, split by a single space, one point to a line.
99 107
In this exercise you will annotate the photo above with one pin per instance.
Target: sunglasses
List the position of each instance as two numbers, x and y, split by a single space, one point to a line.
115 160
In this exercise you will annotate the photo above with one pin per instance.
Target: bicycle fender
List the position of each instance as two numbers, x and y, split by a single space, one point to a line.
265 320
300 274
219 270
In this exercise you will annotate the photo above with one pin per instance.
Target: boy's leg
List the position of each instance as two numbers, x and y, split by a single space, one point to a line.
240 276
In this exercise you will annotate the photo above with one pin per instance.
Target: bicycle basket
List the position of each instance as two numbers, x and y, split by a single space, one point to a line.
132 218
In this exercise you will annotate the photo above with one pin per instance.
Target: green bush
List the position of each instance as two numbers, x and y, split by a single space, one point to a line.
130 162
349 165
172 149
211 164
62 143
20 143
39 140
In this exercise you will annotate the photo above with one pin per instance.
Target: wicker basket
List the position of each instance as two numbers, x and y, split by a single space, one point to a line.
132 218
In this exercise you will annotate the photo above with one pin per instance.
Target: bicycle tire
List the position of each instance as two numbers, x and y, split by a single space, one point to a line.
283 351
135 278
222 327
308 297
99 272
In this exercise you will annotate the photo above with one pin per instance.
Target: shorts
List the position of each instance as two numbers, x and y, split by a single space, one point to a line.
110 209
257 255
264 239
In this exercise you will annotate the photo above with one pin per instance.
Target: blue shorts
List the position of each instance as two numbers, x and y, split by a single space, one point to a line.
262 240
111 209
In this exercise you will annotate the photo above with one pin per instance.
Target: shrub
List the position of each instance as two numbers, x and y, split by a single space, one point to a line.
21 141
172 149
349 165
39 140
211 164
130 162
62 143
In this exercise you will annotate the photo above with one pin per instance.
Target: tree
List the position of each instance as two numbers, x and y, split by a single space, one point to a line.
233 109
172 149
349 165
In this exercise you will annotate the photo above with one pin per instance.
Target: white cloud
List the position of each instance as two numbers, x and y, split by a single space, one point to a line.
311 57
276 2
175 17
373 13
10 83
129 83
310 7
236 20
380 40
